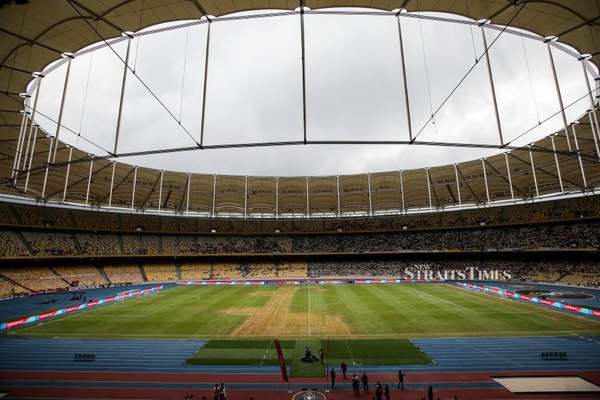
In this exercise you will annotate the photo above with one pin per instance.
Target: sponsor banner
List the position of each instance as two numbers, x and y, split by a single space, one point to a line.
564 306
325 281
50 314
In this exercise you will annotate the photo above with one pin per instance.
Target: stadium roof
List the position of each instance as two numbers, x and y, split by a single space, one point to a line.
36 34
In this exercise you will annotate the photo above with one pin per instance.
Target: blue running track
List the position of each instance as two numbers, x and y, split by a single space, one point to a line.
449 355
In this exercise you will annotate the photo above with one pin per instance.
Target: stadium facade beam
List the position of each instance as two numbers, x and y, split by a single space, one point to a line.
31 154
23 154
487 190
402 191
61 107
152 189
246 197
510 184
468 186
112 183
594 123
457 185
135 170
492 86
535 182
404 80
303 58
428 188
89 182
64 197
187 190
504 178
276 197
339 203
205 83
370 196
81 180
594 132
122 95
307 199
23 119
583 178
160 187
214 197
560 182
51 139
558 93
19 148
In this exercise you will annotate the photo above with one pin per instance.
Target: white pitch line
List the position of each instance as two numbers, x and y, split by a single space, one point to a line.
308 310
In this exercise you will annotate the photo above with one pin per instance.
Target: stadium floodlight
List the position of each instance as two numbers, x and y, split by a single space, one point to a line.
67 55
585 57
37 74
550 38
483 21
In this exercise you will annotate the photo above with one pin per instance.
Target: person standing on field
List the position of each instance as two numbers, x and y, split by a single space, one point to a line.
344 368
400 379
332 377
365 382
356 385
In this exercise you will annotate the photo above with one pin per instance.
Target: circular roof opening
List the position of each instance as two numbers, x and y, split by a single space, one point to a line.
336 91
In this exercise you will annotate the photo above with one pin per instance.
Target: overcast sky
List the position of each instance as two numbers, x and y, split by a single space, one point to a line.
354 91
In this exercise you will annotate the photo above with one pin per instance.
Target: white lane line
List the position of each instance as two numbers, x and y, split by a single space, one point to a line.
308 310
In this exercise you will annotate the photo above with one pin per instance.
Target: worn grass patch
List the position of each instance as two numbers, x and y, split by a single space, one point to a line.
379 311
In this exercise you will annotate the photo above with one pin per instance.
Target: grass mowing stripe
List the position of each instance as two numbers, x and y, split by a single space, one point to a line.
365 311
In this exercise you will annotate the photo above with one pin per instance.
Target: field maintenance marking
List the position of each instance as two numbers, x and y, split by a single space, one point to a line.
309 311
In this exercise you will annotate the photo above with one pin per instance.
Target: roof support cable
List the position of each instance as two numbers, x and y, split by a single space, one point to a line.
427 79
85 93
486 50
137 46
472 35
303 59
128 67
183 73
530 79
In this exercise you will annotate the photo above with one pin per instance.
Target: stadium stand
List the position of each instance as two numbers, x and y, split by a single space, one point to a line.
49 243
258 270
88 276
8 290
292 270
226 271
96 244
191 271
124 273
35 278
11 245
160 272
52 217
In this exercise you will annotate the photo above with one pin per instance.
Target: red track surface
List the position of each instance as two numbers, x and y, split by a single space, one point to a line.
22 389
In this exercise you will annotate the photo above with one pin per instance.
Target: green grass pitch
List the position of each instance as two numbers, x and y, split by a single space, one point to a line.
351 351
378 311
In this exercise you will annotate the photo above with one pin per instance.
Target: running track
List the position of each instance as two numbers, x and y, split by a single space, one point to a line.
156 368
